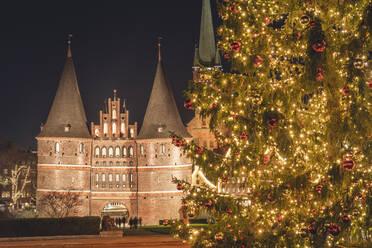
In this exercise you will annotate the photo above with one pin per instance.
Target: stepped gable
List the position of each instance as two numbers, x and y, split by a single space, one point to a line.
67 116
162 116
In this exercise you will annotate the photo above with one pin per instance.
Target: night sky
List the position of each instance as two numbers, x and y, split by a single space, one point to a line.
114 47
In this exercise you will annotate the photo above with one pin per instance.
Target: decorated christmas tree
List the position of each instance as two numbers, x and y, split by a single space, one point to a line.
293 123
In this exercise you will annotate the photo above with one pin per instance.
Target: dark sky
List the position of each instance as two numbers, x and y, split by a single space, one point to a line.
114 47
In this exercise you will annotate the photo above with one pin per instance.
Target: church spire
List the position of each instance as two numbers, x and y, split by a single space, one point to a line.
67 115
162 114
207 43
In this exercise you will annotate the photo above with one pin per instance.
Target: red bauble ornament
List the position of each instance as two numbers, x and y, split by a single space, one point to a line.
165 223
243 136
179 186
370 84
224 180
236 46
346 90
228 225
233 8
266 159
214 105
188 104
334 229
319 75
319 188
199 149
267 21
272 122
279 218
319 47
311 228
345 218
298 36
226 55
208 204
257 61
234 116
348 164
229 211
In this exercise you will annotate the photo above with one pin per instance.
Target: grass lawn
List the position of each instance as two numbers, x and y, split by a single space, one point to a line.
166 229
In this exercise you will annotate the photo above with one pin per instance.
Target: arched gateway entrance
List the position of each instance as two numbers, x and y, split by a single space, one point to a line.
115 210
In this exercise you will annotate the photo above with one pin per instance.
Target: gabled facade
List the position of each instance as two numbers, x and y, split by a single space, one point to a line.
112 170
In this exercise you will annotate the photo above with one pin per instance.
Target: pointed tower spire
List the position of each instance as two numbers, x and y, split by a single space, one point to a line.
69 54
207 43
162 115
196 56
67 115
159 48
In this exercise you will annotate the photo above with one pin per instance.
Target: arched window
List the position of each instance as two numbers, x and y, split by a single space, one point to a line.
114 114
96 132
117 163
103 177
142 150
104 163
104 152
117 151
105 128
114 128
122 127
111 152
131 132
131 151
96 152
125 151
81 148
58 147
111 163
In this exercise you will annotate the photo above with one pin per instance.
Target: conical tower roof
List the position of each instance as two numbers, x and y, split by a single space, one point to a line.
207 43
67 116
162 115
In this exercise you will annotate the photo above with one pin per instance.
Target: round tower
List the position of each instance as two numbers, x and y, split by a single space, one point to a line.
158 159
64 150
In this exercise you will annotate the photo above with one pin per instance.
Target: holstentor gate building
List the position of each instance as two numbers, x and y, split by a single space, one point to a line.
112 166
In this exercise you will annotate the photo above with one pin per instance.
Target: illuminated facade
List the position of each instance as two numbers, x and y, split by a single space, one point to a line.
109 166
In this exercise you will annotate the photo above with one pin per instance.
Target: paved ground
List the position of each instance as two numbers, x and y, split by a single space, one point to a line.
139 240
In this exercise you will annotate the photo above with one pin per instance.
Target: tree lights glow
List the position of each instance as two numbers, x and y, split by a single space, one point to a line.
293 122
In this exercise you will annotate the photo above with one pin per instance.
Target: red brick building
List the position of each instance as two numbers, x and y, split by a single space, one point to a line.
112 169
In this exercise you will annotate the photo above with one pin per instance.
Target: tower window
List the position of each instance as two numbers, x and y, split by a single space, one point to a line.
162 149
114 128
111 152
142 150
117 177
131 152
104 152
81 148
105 128
131 132
110 177
114 113
122 127
96 152
58 147
96 132
103 177
97 177
125 151
117 151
